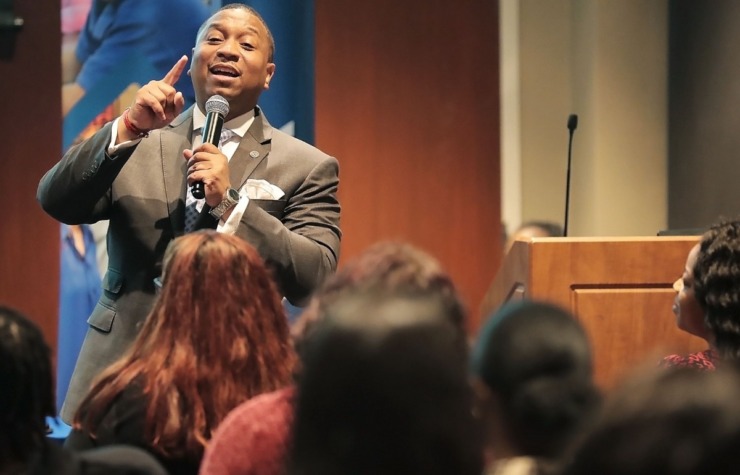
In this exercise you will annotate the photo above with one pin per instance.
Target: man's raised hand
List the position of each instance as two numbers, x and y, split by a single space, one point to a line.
157 103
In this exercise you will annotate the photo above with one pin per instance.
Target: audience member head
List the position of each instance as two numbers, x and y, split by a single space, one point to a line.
532 373
531 229
689 314
717 286
669 422
217 335
26 391
391 266
384 390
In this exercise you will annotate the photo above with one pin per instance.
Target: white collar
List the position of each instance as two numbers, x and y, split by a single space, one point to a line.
239 125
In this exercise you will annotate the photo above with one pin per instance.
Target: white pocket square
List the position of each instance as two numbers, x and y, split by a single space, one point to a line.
261 190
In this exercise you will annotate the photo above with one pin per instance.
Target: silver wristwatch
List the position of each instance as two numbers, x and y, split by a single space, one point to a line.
231 198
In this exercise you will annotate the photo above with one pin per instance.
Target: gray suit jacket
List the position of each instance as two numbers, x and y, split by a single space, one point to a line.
142 193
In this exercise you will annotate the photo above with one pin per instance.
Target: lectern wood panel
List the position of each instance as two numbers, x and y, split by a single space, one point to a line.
619 288
625 331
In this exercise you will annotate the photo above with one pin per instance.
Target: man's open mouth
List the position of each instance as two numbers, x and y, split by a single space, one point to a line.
223 70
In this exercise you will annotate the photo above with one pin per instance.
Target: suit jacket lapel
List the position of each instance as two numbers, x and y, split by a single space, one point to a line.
173 140
253 148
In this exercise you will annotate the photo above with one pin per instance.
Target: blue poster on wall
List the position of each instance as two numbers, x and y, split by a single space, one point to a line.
289 103
123 44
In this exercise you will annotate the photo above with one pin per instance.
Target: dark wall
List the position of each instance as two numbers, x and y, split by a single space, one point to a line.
30 110
704 112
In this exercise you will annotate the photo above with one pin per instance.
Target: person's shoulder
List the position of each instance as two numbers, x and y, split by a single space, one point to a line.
703 361
120 460
111 460
284 142
275 405
54 460
254 437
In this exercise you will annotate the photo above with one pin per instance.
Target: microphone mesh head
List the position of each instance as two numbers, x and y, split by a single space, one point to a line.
572 122
217 104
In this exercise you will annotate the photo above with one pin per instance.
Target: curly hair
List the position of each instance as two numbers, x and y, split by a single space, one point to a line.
717 286
217 336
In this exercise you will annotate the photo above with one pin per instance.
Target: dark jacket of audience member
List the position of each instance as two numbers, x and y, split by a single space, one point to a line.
532 373
666 422
27 399
217 336
384 389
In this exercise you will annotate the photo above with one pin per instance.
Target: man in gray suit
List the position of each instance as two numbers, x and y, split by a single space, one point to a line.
274 191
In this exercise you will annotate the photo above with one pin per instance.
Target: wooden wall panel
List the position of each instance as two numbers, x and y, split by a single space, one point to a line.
407 99
31 125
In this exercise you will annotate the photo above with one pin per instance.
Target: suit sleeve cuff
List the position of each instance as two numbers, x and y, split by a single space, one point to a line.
113 149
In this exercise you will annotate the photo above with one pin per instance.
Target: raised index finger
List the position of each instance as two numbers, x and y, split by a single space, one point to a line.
174 74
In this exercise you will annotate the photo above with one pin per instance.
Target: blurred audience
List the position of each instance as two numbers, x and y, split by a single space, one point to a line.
27 399
674 421
217 336
383 389
254 438
387 265
532 376
530 229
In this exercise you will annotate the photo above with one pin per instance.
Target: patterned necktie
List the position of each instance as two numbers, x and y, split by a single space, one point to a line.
193 207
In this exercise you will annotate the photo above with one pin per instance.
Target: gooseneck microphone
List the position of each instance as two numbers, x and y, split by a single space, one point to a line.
216 109
572 124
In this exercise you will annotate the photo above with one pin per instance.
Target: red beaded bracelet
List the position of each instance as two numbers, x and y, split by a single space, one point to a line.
131 127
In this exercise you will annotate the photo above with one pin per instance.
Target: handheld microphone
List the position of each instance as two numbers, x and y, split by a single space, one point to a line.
216 109
572 124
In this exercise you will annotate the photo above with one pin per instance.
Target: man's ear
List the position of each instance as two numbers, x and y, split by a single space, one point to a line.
192 55
270 74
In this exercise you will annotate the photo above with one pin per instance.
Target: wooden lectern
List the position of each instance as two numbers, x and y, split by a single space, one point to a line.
620 289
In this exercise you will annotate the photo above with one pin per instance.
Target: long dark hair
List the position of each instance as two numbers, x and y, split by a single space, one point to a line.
217 336
26 392
384 390
535 357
